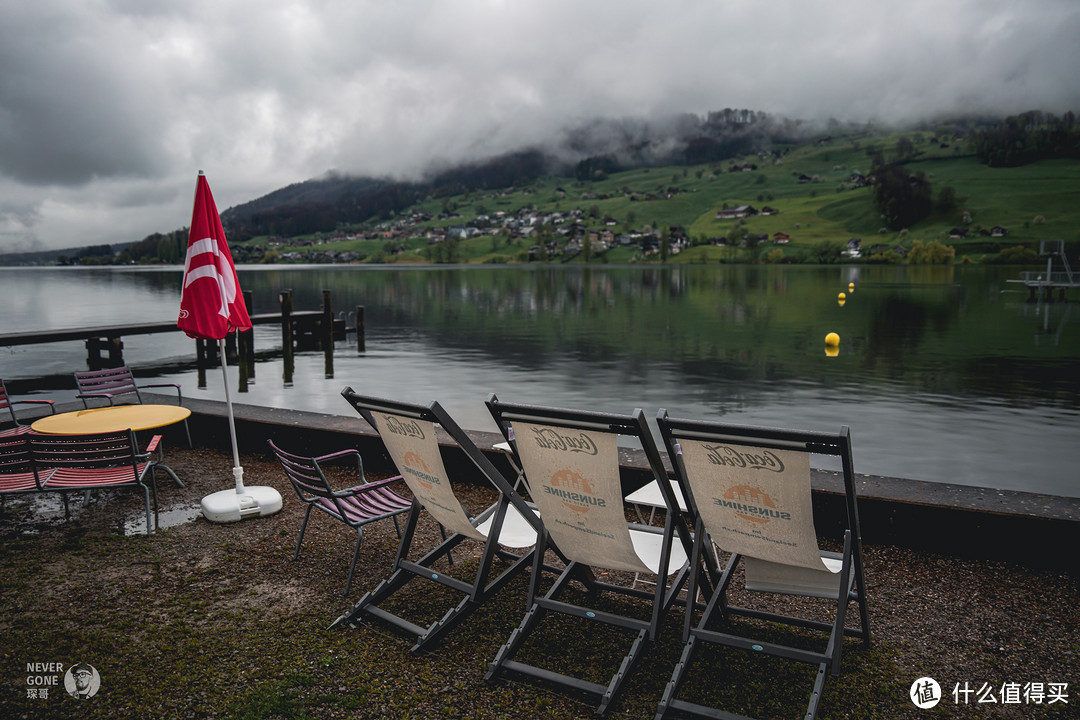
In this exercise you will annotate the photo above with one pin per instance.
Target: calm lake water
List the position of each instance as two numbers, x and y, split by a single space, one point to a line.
943 374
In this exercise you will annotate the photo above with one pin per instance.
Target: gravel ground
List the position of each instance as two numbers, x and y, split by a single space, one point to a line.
206 620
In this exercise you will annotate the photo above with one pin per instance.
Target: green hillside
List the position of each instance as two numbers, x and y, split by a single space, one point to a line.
810 185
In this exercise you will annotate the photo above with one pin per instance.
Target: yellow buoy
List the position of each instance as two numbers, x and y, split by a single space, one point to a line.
851 287
842 296
832 340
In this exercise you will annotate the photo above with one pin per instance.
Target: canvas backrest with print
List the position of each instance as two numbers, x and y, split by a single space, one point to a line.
412 446
573 477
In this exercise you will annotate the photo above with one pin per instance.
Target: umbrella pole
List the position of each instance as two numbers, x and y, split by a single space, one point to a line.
227 506
238 471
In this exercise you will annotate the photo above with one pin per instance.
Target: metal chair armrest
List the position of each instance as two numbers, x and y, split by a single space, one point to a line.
50 403
342 454
366 487
330 457
175 386
153 446
104 395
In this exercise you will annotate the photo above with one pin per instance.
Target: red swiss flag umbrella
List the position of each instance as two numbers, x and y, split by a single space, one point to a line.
211 307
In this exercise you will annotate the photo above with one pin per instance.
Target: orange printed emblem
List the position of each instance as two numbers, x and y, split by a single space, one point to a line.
750 503
573 490
414 461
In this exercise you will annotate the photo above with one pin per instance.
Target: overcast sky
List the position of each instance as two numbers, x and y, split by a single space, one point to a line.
109 108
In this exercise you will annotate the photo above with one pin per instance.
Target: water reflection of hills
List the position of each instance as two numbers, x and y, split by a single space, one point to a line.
935 330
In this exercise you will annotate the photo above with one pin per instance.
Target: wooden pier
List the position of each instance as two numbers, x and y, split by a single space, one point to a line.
300 330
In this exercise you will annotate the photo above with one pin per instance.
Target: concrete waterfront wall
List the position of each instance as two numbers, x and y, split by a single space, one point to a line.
1032 529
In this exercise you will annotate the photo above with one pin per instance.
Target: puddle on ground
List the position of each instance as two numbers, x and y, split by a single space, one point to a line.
31 512
166 517
28 510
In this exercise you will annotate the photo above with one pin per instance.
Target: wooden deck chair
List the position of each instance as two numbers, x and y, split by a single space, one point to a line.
749 490
118 382
570 461
95 462
408 432
355 506
6 403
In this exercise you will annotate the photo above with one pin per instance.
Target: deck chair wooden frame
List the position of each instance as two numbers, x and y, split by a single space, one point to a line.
112 383
570 458
738 469
509 523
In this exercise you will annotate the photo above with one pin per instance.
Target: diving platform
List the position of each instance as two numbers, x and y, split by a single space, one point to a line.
1044 284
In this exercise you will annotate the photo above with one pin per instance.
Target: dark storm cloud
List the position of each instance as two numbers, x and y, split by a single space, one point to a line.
108 109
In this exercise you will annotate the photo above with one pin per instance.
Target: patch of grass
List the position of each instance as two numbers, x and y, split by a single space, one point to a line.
274 699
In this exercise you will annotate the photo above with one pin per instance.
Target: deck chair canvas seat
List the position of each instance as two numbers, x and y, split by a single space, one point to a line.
356 506
570 461
749 492
408 432
113 383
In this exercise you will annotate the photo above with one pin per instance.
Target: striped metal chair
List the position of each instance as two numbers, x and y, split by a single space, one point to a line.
18 473
96 462
9 404
113 383
355 506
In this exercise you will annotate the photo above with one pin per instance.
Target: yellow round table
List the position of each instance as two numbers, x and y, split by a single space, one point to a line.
111 419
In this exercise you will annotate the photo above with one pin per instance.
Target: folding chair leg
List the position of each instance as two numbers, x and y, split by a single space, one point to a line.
641 642
510 648
836 640
356 552
303 529
677 678
815 696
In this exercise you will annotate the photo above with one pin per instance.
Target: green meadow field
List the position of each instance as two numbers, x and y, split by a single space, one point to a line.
1033 202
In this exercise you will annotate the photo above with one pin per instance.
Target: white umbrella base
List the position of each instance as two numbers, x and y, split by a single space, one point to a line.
229 506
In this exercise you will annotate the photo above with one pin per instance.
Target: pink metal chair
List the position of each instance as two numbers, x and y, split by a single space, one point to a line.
113 383
96 462
8 404
18 473
355 506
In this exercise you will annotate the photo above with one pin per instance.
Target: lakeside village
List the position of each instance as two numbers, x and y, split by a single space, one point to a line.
553 234
556 234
